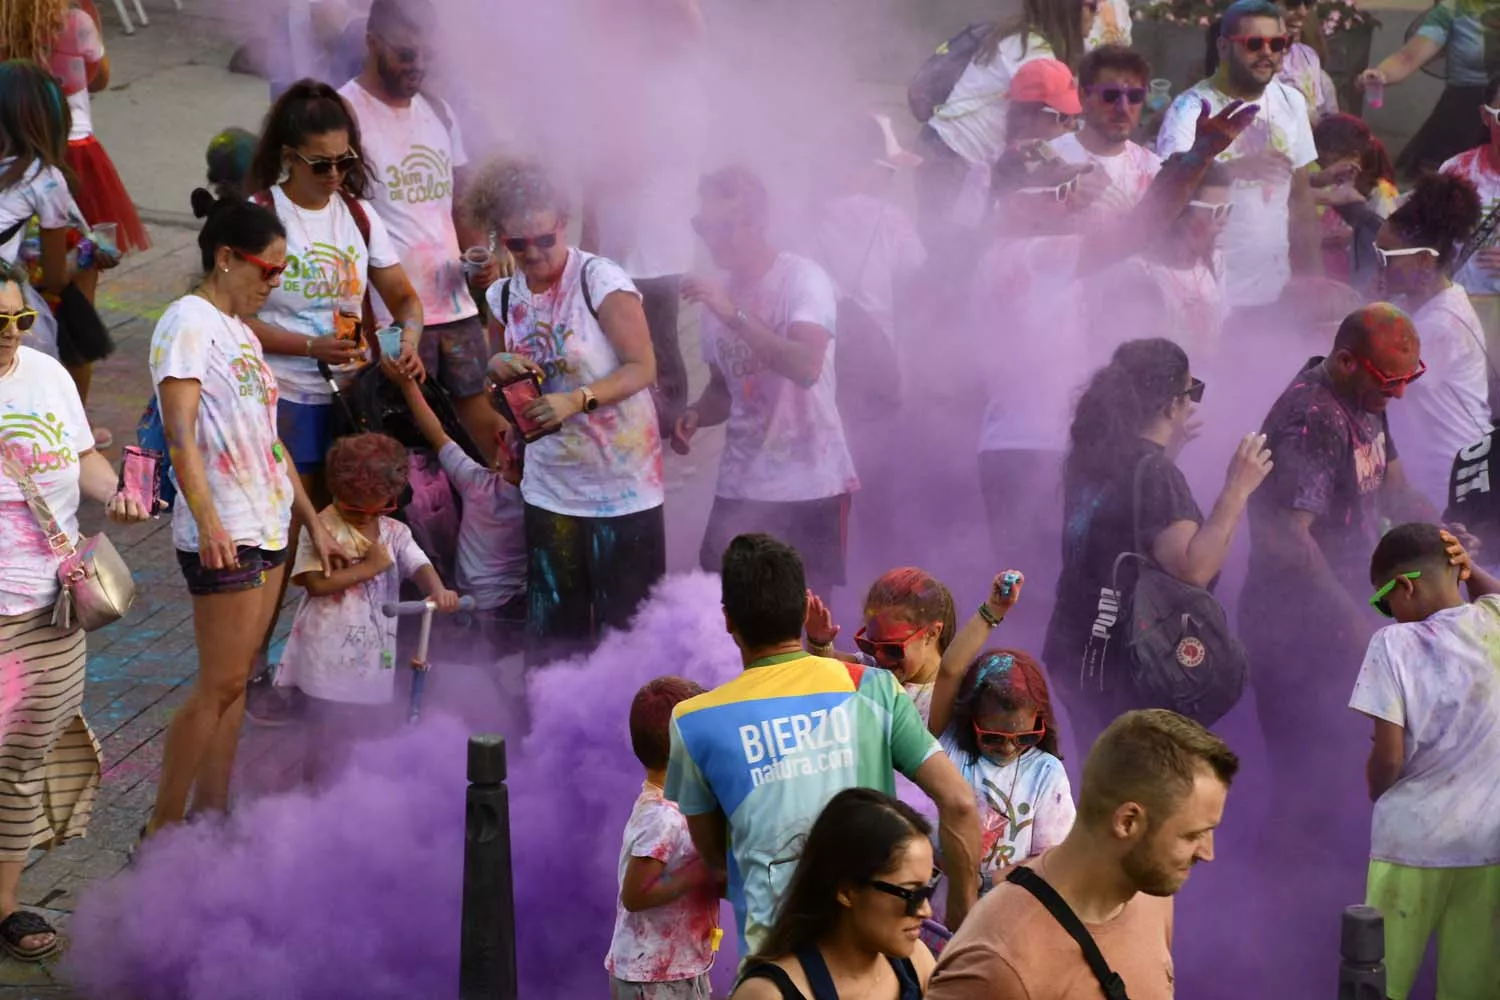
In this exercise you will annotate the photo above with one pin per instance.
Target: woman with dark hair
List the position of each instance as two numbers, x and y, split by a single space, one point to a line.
1480 275
1123 492
1449 409
573 322
237 489
1350 153
849 924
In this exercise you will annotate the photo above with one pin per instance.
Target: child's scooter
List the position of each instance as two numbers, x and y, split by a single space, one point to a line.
419 664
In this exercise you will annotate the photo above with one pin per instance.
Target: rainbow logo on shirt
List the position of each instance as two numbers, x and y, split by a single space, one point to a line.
425 175
324 271
38 442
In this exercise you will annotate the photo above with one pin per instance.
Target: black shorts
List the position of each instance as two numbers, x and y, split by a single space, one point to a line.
254 565
817 529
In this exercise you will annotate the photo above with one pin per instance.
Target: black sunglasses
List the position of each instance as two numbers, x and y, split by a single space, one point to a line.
1112 95
404 54
914 897
325 165
1194 391
1254 43
518 245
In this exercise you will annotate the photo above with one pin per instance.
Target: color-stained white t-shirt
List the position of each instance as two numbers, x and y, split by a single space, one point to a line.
412 157
1475 165
865 244
1439 680
43 192
236 429
491 536
1130 174
1257 240
44 430
601 464
342 647
327 262
783 441
971 122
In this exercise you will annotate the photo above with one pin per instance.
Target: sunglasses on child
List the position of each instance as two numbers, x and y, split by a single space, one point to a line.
325 165
268 272
1379 603
888 650
999 739
1256 43
1386 256
1059 194
1113 95
1492 113
1393 381
914 897
518 244
23 320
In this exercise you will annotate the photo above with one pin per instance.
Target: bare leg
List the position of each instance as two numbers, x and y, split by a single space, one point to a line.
482 422
10 902
226 649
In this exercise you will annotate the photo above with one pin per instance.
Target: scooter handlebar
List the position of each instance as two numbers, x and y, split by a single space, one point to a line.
396 609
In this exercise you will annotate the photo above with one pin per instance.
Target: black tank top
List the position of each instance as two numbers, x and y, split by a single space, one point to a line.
821 980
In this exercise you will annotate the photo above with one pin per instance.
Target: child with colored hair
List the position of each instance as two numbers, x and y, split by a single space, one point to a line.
1430 683
342 650
992 713
228 159
667 916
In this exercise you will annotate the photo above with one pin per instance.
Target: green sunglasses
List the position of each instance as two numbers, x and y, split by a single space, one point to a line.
1378 601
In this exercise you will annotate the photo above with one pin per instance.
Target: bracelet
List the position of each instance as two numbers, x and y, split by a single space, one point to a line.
819 648
307 347
989 616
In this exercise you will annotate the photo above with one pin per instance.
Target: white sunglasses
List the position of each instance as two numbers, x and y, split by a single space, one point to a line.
1494 113
1386 255
1217 210
1059 193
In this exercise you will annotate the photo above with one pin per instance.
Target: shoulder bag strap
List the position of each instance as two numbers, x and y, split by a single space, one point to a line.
57 539
588 294
362 223
777 975
1109 980
10 233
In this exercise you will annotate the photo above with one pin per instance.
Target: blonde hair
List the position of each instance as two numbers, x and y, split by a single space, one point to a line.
29 28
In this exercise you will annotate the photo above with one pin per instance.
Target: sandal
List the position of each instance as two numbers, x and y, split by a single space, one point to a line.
104 439
24 924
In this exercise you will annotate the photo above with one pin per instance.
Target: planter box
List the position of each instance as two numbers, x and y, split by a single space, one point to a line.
1176 51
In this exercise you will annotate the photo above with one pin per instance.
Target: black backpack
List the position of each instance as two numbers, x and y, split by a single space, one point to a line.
935 80
1178 645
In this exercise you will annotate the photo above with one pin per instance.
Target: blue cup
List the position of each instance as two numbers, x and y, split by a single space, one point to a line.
389 339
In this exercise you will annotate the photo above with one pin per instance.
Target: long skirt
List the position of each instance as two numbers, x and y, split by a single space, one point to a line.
50 763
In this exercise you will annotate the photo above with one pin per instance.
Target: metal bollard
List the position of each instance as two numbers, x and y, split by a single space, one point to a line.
487 955
1362 945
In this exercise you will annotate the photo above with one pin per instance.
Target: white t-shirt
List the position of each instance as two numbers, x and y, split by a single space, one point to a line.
1130 174
601 464
412 156
82 115
864 243
670 942
326 262
1475 165
342 647
42 192
1025 807
1439 680
1257 240
1187 303
44 429
1448 408
491 537
237 438
783 442
971 122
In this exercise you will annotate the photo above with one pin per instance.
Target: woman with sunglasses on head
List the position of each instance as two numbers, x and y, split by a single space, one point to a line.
573 328
849 926
49 760
238 489
1449 409
1129 425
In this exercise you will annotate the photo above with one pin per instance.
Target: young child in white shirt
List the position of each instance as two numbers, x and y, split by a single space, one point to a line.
1431 684
667 917
342 650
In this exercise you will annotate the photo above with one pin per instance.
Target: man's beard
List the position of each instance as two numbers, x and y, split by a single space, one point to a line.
1147 874
396 81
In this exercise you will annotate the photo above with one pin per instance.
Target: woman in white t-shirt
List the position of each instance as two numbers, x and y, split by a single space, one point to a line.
236 486
1448 409
592 484
45 437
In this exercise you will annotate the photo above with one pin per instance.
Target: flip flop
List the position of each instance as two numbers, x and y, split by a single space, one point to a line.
104 439
21 925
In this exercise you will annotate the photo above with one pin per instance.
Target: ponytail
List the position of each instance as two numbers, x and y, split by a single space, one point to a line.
234 223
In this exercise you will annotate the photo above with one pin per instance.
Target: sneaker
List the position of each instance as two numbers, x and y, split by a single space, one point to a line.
266 705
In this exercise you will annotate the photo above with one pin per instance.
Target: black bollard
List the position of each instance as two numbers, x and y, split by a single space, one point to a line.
487 955
1362 945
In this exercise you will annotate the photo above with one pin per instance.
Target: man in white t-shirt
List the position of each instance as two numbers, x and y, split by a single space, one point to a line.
1274 229
768 340
1113 83
417 158
1431 686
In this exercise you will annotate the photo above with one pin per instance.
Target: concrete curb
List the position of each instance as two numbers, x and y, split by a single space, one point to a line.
161 217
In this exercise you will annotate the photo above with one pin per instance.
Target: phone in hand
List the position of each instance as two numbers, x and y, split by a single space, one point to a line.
511 400
140 477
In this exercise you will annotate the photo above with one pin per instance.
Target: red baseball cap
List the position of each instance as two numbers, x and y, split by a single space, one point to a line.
1049 82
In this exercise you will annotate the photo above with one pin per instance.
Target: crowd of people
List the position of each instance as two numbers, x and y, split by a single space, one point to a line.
412 366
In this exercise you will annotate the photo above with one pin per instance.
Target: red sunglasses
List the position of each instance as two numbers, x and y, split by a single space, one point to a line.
891 650
1393 381
998 738
1254 43
268 272
387 508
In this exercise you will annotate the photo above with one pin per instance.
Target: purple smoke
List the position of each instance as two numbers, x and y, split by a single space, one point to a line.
356 891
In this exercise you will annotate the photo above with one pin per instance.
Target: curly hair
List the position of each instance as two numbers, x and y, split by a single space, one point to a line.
1441 212
651 718
509 189
34 122
366 468
1122 398
1007 680
29 28
308 108
917 598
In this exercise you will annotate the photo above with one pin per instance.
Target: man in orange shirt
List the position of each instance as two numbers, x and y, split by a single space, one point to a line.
1153 792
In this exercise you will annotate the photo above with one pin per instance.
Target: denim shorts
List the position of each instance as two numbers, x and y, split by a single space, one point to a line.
254 565
305 430
457 354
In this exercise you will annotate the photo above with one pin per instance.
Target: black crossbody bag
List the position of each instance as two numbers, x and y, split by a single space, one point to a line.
1109 980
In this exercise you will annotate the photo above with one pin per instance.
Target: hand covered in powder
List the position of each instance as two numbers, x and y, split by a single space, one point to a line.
1005 592
1217 132
711 295
1250 465
125 510
818 624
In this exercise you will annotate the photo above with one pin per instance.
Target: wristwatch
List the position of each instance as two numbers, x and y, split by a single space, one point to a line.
590 401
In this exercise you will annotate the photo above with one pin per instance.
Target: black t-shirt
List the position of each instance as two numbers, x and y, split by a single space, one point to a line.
1099 525
1328 459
